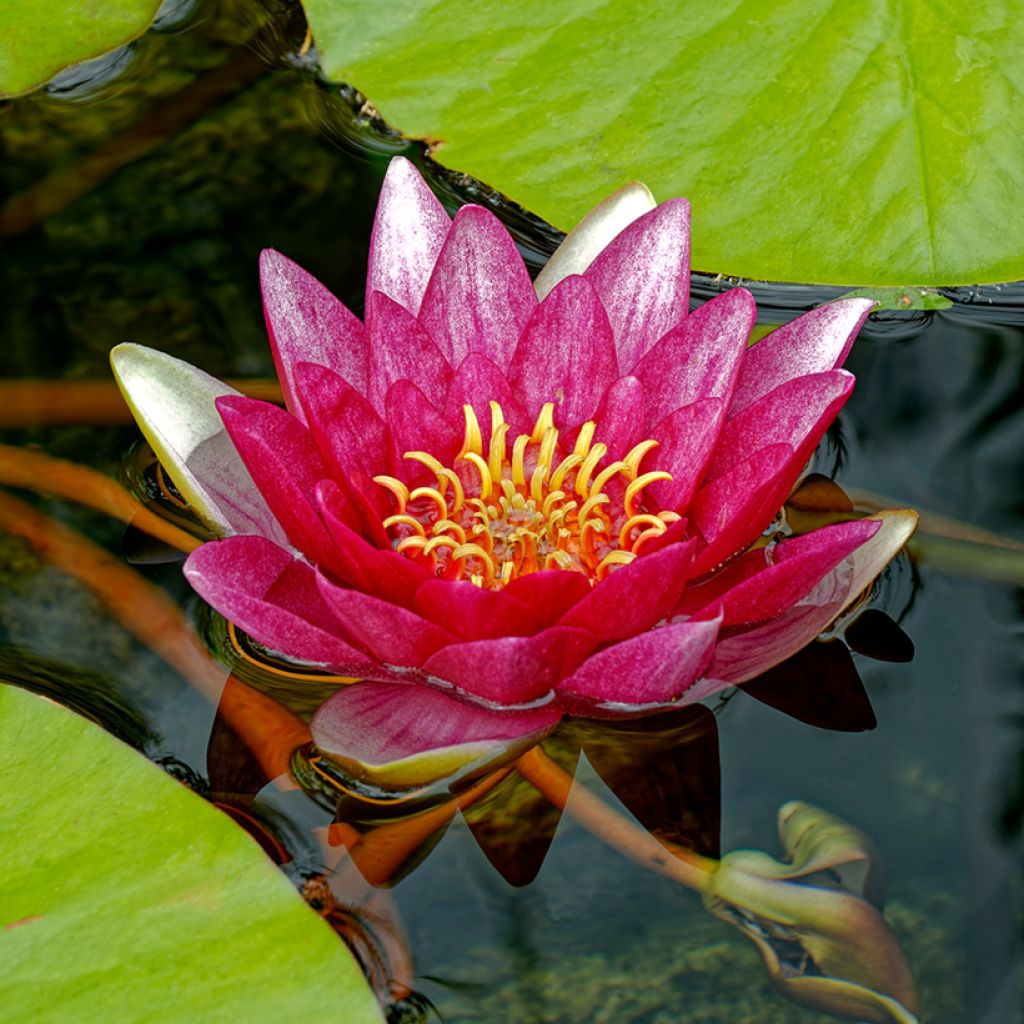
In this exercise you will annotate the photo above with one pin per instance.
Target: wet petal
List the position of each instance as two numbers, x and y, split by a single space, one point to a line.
593 233
480 295
408 232
173 403
307 324
643 279
406 736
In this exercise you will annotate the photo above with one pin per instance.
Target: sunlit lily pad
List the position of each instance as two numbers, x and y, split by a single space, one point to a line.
38 38
843 143
125 897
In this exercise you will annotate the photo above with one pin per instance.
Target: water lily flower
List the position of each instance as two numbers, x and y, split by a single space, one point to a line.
497 502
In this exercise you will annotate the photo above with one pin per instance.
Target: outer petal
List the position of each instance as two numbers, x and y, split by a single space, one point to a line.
635 596
406 736
480 294
408 233
510 670
643 279
566 354
700 357
173 403
472 613
307 324
898 526
812 343
273 597
401 350
392 634
593 233
650 669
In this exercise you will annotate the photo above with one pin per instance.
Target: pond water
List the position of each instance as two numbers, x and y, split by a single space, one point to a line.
138 196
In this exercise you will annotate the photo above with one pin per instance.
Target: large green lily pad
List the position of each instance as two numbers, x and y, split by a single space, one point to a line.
847 142
38 38
125 897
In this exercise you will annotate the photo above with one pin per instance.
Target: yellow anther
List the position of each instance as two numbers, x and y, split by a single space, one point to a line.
476 579
585 438
481 532
594 456
396 487
668 516
428 460
473 440
404 520
448 526
507 488
518 502
644 537
416 544
458 496
548 443
497 416
444 475
613 558
589 505
602 478
507 569
637 485
485 473
558 560
551 500
496 454
636 454
518 454
643 519
477 552
537 484
569 462
434 495
545 422
444 541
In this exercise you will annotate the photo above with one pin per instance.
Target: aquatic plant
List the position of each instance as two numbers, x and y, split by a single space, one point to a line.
498 502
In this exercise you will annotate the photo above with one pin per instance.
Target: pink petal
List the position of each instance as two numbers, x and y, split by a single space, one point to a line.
401 350
392 634
307 324
650 669
272 596
407 736
473 613
285 464
732 510
620 417
700 357
634 597
550 593
415 425
796 413
566 354
643 279
477 382
686 441
765 583
510 670
408 233
480 296
812 343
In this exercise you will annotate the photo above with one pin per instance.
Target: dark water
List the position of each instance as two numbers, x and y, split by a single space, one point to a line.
209 140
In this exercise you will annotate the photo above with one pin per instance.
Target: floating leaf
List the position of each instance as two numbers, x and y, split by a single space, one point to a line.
38 38
127 897
831 141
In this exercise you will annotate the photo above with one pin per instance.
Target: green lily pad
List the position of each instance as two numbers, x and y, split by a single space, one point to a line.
125 897
38 38
843 142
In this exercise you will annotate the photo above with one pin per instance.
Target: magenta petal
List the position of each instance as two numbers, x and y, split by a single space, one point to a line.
686 440
415 425
796 413
472 613
477 382
273 597
733 509
480 296
643 279
634 597
511 670
550 593
700 357
407 736
566 354
620 417
650 669
812 343
408 232
307 324
401 350
394 635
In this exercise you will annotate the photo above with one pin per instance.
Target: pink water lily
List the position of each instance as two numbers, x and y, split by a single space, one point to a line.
496 501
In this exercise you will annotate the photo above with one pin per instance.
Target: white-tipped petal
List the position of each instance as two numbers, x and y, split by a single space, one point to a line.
898 526
584 243
173 404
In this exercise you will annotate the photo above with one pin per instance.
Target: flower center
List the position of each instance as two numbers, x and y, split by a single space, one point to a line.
491 518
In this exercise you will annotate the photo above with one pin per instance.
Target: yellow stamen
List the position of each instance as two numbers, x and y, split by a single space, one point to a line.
433 495
643 519
584 438
637 485
405 520
477 552
447 526
518 454
473 440
613 558
636 454
396 487
545 421
595 455
485 473
602 478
